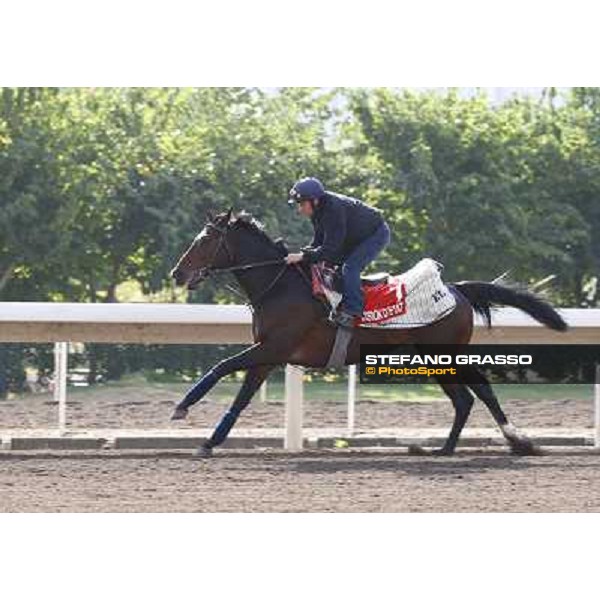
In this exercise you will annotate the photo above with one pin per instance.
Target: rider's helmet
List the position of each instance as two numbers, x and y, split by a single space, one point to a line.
305 189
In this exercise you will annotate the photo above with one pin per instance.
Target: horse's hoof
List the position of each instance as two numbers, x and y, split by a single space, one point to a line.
203 452
442 452
525 448
415 450
179 414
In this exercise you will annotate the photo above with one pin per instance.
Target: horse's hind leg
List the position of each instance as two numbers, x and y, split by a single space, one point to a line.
518 442
253 380
462 401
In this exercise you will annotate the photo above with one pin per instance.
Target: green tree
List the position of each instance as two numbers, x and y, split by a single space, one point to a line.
483 189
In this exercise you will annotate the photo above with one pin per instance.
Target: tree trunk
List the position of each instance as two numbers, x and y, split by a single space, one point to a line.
111 293
5 277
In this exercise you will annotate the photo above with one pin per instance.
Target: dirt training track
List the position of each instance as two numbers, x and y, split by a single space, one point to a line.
337 480
318 480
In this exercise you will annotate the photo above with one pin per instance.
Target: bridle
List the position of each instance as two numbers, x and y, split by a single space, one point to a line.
205 272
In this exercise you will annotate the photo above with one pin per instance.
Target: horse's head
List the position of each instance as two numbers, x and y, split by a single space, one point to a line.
209 250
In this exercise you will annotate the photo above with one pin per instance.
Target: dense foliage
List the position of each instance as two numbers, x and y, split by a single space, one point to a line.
101 189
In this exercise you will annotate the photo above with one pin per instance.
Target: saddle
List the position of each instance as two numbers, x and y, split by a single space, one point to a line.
329 277
415 298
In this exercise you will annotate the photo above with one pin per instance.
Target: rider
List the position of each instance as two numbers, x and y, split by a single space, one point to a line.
347 233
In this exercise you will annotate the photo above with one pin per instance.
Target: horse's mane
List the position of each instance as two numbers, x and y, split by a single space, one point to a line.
244 220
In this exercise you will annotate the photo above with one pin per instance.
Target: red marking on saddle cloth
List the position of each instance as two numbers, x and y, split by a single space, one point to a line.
383 302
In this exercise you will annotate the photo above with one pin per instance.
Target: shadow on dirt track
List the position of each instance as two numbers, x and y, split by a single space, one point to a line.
422 466
325 462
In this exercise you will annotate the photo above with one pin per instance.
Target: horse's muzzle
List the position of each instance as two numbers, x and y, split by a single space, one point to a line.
197 278
190 280
180 277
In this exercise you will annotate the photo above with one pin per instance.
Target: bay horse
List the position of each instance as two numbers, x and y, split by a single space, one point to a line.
290 326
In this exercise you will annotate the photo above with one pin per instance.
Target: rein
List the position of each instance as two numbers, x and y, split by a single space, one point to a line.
256 265
256 301
210 271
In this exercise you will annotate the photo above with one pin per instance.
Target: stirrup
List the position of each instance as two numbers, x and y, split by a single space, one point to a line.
342 318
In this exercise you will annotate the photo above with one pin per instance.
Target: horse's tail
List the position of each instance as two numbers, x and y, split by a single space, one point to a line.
482 296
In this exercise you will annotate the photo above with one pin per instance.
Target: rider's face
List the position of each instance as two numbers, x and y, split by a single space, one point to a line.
305 208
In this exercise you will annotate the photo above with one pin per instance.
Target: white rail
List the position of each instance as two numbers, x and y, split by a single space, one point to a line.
72 312
216 324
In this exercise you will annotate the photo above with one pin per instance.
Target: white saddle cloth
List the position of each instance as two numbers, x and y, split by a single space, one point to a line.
421 295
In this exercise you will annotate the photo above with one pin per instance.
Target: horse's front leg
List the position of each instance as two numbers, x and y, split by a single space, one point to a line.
253 380
257 355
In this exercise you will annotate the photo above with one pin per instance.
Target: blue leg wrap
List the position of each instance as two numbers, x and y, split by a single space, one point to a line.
223 428
204 385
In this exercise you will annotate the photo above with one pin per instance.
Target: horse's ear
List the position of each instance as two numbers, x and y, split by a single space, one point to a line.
229 213
210 216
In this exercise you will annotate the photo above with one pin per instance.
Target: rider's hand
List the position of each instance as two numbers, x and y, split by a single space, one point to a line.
292 259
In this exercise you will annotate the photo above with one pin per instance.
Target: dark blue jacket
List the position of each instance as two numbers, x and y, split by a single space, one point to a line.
340 223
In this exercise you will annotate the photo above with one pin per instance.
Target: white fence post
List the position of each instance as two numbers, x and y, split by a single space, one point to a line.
351 398
263 392
597 408
294 398
60 383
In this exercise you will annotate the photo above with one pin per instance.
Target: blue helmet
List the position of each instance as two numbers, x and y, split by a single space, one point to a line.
309 187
